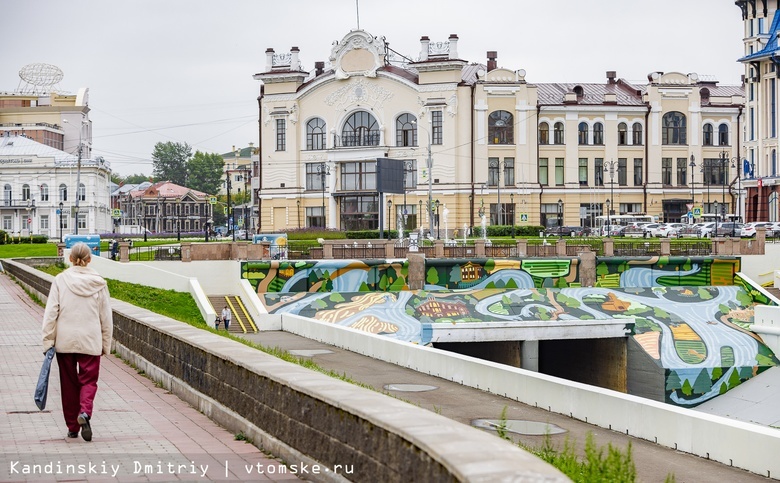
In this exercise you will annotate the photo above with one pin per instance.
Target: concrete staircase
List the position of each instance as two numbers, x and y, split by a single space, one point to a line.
241 322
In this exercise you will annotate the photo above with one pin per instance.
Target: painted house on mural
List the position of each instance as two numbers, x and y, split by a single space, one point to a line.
500 145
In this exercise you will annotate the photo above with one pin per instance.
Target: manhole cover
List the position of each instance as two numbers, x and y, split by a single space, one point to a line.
410 387
309 352
519 426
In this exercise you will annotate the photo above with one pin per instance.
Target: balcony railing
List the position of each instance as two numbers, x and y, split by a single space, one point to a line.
356 139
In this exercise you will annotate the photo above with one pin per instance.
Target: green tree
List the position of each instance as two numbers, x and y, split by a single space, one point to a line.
455 274
672 381
204 172
136 178
169 161
432 276
734 379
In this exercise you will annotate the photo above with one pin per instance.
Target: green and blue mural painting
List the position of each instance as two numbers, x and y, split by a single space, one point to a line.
688 331
664 271
692 314
325 275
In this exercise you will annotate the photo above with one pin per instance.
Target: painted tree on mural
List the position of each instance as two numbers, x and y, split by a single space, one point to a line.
432 277
455 274
673 381
703 383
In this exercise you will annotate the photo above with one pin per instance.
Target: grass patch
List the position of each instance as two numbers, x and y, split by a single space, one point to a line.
600 464
24 250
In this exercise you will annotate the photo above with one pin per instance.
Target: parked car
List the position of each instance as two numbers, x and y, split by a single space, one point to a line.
565 231
706 229
692 230
669 230
728 228
749 229
652 229
773 230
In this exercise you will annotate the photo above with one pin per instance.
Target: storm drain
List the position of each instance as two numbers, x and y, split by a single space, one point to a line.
309 352
409 387
518 426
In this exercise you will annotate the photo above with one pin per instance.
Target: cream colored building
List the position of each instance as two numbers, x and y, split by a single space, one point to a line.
760 172
515 151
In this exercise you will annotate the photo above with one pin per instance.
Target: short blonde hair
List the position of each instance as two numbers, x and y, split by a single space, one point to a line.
80 254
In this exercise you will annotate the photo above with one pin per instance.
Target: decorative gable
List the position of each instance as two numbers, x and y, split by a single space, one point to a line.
358 54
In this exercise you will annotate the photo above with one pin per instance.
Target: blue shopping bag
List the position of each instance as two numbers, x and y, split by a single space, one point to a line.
42 389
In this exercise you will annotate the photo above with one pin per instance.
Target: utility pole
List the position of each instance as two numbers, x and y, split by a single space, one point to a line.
78 191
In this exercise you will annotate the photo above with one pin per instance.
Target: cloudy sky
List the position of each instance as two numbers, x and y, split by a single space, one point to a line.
181 70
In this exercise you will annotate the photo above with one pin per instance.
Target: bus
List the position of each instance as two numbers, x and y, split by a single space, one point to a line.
616 221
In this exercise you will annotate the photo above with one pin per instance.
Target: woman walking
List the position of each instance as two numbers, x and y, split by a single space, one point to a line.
78 323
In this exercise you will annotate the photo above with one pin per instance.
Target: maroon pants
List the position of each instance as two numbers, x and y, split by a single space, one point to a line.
78 385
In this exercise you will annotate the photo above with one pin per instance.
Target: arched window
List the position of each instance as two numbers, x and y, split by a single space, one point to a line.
707 135
361 129
598 133
544 133
63 192
315 134
622 134
82 192
44 192
25 192
406 130
558 133
7 195
636 134
674 128
582 133
723 135
501 128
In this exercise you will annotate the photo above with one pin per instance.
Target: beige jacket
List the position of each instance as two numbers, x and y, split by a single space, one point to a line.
78 317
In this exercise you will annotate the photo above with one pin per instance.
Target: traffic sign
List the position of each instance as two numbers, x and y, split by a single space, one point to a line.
690 214
696 211
29 221
213 200
225 210
116 213
523 217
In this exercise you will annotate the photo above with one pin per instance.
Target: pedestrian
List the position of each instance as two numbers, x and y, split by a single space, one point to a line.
226 317
78 323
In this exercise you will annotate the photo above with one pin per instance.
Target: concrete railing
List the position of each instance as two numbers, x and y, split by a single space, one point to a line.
734 443
301 415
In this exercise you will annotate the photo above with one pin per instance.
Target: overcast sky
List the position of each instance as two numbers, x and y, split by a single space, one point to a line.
181 70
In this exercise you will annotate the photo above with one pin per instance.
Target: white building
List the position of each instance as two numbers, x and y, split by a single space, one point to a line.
38 181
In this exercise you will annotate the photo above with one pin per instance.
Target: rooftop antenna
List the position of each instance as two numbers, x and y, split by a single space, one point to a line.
357 12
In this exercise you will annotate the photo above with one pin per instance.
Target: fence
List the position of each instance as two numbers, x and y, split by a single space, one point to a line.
156 254
358 251
624 248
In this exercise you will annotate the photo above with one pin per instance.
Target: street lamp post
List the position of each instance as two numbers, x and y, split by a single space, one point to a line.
692 164
420 214
609 167
407 169
429 164
298 204
229 211
706 170
512 203
61 207
471 213
323 170
560 218
438 222
389 214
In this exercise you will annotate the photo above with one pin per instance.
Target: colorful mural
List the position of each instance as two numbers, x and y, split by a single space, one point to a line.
695 333
325 275
486 273
665 271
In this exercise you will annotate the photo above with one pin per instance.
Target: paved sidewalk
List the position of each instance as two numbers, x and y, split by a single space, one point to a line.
467 404
141 432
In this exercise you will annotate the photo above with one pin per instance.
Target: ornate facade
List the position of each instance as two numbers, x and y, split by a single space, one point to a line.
498 145
760 157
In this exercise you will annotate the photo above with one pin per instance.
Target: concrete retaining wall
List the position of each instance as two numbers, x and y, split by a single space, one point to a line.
734 443
297 413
